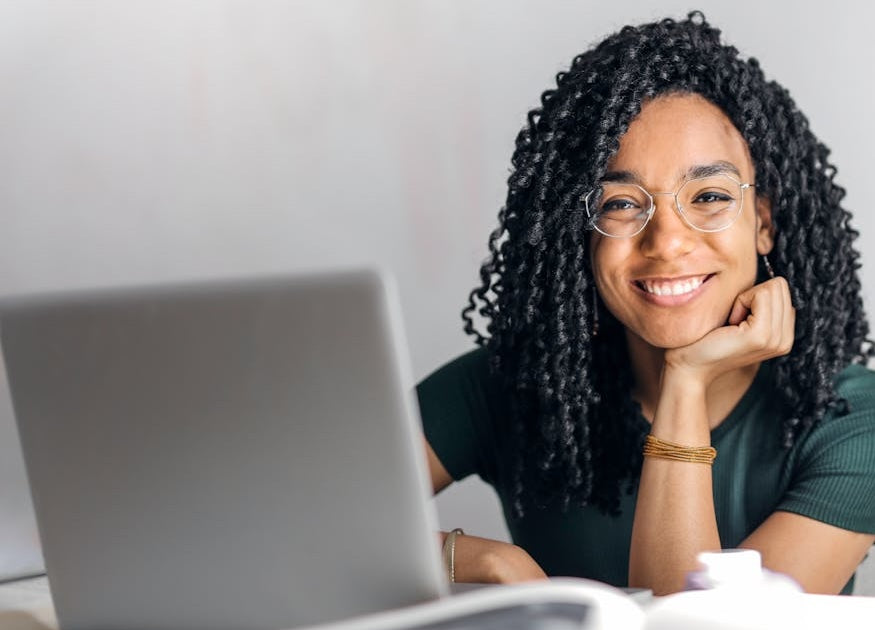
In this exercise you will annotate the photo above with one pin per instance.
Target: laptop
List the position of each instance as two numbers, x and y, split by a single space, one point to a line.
237 454
20 555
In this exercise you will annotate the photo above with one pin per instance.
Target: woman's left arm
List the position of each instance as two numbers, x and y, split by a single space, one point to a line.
674 514
675 518
819 556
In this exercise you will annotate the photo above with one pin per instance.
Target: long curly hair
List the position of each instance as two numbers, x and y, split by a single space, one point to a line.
573 421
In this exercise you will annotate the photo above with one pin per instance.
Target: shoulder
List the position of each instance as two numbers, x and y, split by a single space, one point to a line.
474 361
833 479
470 369
459 403
844 442
465 387
856 428
856 384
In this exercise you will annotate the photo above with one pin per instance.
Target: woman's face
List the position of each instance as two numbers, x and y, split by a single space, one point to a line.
650 281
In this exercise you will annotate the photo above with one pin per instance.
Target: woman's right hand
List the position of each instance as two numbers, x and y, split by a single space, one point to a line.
482 560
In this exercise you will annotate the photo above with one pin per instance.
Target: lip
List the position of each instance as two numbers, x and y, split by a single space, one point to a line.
672 300
671 278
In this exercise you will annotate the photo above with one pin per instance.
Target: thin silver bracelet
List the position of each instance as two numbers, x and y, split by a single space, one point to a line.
450 553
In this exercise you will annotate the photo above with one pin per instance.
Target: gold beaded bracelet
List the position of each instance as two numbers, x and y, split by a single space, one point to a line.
450 553
654 447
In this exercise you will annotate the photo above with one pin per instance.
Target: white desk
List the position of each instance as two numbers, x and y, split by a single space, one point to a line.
27 605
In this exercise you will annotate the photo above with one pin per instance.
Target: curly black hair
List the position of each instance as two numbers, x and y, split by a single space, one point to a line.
575 440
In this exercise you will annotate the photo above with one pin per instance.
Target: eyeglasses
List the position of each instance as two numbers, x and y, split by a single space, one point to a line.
707 204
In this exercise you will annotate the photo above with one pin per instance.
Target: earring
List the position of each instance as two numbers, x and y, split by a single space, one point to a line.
595 313
769 269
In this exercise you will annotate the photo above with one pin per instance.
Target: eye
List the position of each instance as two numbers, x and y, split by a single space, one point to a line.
615 205
712 196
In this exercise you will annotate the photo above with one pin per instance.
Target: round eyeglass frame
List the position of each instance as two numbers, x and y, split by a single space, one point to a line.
677 204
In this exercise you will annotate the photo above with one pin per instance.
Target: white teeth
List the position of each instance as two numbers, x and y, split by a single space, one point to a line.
672 288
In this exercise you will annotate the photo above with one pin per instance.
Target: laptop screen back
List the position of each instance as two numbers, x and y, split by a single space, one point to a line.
20 554
241 454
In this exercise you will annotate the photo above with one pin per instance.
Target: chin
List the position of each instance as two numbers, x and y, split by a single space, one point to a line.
669 343
676 338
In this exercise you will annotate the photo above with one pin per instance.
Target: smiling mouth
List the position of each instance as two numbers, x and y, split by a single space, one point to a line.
681 286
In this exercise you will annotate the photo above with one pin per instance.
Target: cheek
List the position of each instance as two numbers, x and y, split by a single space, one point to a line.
606 258
598 260
740 256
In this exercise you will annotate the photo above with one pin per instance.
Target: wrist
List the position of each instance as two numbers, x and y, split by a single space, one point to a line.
449 553
681 413
504 563
684 378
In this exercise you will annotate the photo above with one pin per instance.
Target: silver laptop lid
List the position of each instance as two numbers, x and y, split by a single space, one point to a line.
225 455
20 554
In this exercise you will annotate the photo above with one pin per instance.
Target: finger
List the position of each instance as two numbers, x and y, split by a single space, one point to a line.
738 313
789 321
779 312
772 339
778 338
789 335
761 334
743 307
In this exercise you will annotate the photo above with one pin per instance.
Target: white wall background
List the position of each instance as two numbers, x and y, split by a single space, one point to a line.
148 141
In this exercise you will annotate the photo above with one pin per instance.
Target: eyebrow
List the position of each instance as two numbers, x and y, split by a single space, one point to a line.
720 167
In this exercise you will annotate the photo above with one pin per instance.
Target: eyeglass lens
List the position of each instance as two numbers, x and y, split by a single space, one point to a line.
708 204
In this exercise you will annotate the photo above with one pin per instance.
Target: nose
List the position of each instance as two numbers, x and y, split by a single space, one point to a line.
667 236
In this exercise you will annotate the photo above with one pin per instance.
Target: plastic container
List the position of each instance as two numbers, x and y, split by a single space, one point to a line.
737 569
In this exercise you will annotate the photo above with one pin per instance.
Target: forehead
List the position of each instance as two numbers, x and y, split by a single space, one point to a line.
673 134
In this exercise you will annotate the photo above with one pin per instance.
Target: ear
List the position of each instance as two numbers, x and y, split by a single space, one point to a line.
765 230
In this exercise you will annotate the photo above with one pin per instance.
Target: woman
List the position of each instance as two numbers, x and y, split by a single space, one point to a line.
672 273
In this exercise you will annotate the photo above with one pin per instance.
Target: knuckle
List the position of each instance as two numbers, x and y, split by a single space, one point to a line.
762 341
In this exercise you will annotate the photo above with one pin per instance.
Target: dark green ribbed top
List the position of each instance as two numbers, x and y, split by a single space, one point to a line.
828 475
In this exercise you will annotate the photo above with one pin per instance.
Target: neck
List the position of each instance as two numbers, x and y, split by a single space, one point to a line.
721 395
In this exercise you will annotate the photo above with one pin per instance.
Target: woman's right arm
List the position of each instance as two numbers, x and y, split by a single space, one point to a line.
440 478
477 559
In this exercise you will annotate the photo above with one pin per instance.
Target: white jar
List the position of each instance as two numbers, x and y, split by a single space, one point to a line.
737 569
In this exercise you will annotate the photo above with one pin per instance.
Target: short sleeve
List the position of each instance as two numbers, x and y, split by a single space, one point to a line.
834 476
456 403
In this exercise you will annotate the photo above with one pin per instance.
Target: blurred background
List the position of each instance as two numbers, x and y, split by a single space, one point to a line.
167 140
